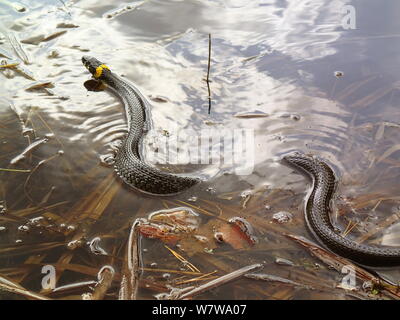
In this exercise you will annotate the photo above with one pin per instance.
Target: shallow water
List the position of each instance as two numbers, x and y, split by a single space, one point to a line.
274 57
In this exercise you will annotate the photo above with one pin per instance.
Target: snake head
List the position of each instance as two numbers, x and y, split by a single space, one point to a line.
300 162
95 67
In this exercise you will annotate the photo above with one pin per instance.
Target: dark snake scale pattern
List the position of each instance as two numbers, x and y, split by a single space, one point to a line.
139 175
318 220
128 163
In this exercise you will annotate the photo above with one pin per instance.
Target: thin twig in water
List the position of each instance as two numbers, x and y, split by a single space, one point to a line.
220 281
208 73
273 278
338 262
8 285
15 170
130 277
42 162
105 278
183 260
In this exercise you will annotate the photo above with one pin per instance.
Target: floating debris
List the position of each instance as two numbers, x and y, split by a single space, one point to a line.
282 217
176 220
251 114
53 54
67 25
18 111
192 199
238 233
23 228
338 262
219 236
284 115
284 262
95 248
220 281
74 244
36 39
295 117
211 190
272 278
245 227
39 85
339 74
104 281
10 286
19 50
3 207
157 98
129 7
130 269
246 195
211 123
28 150
4 64
17 6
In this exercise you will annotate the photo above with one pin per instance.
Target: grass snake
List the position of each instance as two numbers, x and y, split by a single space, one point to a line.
318 220
128 163
139 175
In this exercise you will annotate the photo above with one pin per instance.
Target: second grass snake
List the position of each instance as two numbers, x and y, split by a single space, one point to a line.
139 175
318 220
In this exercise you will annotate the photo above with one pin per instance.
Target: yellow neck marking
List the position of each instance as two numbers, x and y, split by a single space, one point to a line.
99 70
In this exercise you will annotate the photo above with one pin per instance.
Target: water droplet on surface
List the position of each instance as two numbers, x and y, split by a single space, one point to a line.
166 276
202 239
23 228
211 190
295 117
339 74
219 236
282 217
74 244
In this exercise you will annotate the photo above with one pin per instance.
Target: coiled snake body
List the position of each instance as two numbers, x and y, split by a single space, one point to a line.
317 216
128 164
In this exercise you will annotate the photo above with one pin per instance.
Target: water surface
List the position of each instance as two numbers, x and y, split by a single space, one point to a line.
276 57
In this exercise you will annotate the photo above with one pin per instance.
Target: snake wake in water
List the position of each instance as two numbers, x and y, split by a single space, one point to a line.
317 216
128 164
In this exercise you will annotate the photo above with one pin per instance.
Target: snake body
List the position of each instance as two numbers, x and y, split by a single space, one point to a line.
317 216
128 163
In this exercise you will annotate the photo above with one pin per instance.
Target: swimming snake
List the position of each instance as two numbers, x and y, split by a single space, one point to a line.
139 175
317 215
128 163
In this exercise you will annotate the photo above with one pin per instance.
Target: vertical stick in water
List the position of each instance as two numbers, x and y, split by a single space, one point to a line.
208 73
